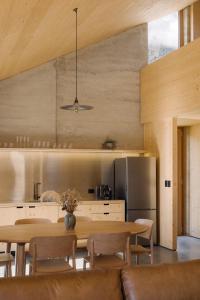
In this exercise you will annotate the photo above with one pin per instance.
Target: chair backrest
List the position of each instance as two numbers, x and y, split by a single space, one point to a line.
148 233
44 247
60 220
108 243
32 221
78 219
83 219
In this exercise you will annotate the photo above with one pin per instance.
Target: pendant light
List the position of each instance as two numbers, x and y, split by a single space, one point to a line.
76 106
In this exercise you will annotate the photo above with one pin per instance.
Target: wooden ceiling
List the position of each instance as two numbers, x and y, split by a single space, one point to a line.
33 32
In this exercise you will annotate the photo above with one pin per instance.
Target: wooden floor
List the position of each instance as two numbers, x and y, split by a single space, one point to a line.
188 248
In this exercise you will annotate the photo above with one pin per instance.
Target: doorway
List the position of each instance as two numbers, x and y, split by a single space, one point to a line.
182 179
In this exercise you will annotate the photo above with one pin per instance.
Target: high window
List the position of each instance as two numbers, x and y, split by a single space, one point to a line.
162 36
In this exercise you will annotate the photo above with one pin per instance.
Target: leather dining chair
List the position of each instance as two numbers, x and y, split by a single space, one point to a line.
139 250
108 250
81 244
49 254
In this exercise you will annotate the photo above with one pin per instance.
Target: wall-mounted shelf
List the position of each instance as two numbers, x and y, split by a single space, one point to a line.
120 151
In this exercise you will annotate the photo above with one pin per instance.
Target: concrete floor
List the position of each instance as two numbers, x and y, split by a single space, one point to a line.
188 248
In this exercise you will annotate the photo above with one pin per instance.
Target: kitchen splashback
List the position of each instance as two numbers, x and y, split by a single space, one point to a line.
54 170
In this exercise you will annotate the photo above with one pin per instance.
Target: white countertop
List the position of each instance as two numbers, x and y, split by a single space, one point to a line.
85 202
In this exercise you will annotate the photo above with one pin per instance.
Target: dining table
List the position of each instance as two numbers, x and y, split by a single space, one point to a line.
22 234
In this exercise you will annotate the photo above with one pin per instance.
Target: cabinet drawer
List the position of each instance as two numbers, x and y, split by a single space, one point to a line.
106 207
107 217
83 208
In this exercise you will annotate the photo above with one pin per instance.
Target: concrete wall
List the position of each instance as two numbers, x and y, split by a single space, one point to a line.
108 78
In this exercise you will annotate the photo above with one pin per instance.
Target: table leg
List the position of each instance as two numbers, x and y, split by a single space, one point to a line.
20 262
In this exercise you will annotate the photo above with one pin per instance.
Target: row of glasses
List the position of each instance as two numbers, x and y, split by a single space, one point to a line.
26 142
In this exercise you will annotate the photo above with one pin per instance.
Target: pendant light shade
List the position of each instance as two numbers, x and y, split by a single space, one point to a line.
76 106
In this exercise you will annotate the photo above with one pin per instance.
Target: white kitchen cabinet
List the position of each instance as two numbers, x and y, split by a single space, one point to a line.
107 217
49 211
42 211
9 213
108 210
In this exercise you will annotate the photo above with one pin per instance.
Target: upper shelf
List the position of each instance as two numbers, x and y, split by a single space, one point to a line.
121 151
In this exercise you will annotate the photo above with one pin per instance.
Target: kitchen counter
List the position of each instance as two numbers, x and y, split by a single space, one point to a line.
38 203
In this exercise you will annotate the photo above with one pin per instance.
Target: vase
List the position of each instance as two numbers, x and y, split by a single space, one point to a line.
70 221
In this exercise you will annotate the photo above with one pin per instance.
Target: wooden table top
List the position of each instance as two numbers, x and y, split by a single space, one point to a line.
24 233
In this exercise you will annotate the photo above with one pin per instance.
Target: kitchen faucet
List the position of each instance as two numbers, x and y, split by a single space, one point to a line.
36 195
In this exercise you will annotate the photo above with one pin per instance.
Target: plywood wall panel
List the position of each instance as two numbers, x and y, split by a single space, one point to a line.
160 138
193 199
34 32
171 86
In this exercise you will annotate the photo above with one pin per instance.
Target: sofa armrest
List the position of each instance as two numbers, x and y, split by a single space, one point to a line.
179 281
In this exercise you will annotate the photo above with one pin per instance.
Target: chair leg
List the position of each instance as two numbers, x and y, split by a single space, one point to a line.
7 270
137 259
151 247
84 264
151 258
8 247
30 269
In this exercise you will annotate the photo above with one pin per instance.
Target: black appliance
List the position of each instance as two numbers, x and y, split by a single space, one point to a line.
103 192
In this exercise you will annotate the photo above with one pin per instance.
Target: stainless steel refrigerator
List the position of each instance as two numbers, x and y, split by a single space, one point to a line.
135 181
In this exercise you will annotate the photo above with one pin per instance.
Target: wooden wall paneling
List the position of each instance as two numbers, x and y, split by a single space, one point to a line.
180 198
187 186
161 137
34 32
171 86
195 20
181 28
194 186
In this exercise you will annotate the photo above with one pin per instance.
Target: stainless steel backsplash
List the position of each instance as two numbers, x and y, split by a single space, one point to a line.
57 171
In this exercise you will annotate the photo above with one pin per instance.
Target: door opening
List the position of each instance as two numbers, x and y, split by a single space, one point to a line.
182 164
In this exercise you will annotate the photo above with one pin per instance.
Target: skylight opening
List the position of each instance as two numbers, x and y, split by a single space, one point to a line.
162 37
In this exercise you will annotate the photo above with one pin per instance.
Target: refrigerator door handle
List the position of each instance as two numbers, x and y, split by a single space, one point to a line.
126 189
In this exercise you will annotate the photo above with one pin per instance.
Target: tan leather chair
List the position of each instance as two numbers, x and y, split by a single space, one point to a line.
81 244
48 254
104 249
6 260
140 250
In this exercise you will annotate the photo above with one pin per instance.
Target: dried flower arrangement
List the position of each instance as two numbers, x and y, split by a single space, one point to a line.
69 200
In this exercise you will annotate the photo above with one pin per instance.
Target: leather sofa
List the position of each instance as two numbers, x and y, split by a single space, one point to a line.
180 281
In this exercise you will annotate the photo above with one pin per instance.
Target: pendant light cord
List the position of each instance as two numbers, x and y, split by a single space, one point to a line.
76 106
76 11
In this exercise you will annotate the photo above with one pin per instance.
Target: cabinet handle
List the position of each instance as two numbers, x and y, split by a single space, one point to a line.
106 204
106 213
32 206
19 207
